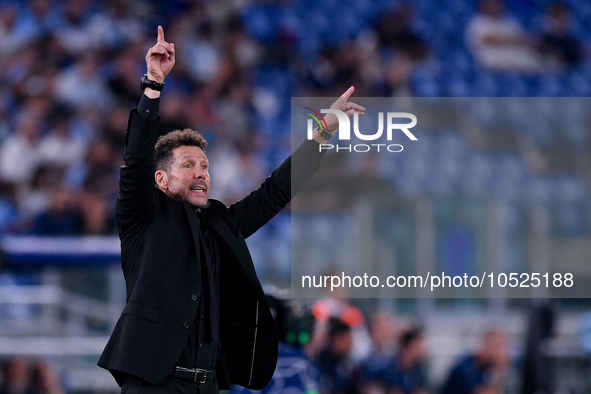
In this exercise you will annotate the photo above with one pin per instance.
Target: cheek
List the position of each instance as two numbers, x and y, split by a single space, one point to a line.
175 182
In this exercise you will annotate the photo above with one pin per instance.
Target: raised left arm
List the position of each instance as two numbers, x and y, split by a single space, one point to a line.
260 206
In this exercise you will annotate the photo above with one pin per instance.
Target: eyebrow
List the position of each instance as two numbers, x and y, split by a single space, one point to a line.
193 158
184 159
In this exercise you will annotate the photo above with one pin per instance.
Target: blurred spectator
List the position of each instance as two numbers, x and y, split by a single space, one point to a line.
234 112
195 35
328 308
72 34
402 47
499 42
203 55
114 130
384 334
36 197
123 78
16 377
482 373
96 217
174 111
237 173
8 17
396 33
84 73
406 375
116 25
241 49
98 171
336 67
38 19
558 45
19 154
44 379
61 218
35 377
337 372
58 147
271 24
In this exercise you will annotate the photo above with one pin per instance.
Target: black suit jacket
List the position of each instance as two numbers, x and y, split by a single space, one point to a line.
160 261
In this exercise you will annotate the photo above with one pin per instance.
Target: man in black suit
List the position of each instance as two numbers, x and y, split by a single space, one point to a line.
196 319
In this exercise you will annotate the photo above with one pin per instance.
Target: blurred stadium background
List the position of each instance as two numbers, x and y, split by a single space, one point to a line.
520 197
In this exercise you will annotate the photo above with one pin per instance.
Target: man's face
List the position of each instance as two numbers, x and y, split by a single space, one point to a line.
188 177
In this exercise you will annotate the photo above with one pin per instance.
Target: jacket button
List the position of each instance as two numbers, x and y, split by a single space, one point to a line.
194 297
186 325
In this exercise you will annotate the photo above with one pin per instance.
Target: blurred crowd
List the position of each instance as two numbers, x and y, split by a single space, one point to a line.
70 73
20 376
498 41
328 347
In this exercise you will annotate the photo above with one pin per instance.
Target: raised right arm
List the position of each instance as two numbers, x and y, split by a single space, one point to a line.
137 193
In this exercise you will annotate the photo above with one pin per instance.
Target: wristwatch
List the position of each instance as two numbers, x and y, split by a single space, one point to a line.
324 133
147 83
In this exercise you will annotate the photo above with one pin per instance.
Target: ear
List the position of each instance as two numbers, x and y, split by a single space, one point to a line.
161 178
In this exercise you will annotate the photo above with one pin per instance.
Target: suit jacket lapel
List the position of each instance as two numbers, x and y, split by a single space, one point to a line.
217 224
235 243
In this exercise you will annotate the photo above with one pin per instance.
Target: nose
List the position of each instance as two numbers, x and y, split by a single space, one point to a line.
200 173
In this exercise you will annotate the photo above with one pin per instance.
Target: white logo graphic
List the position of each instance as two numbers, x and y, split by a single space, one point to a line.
344 133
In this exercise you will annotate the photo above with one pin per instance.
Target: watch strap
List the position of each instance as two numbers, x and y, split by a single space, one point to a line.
148 83
324 133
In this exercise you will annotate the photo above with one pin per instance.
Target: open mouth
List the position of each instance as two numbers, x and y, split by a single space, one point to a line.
197 189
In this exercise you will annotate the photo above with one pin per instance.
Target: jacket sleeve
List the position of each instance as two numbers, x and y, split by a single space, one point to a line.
256 209
137 192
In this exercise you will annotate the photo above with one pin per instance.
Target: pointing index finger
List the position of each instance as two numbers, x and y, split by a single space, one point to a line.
349 92
160 34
